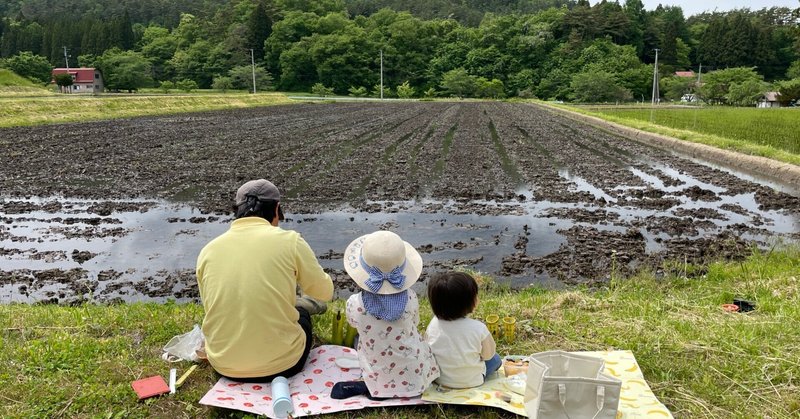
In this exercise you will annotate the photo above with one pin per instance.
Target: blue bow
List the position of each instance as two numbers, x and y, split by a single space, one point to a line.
376 276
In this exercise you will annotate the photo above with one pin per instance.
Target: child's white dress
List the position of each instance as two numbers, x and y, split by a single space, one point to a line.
395 361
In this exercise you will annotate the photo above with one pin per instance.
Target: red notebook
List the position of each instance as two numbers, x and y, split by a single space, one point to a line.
150 386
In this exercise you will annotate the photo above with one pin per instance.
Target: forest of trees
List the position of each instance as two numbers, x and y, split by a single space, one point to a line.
551 49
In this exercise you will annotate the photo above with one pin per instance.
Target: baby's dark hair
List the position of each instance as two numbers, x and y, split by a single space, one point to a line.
452 295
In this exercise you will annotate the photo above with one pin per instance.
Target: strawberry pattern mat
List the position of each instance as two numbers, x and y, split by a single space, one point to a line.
311 389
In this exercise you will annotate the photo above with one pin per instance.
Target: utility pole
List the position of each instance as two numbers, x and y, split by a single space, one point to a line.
381 74
656 93
699 72
697 96
253 63
66 61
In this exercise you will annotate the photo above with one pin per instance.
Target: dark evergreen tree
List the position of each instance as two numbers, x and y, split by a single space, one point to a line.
581 21
259 28
125 27
673 28
651 38
740 41
612 21
637 16
120 32
95 38
59 38
8 44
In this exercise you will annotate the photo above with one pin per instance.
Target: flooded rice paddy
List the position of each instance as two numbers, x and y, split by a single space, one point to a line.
118 210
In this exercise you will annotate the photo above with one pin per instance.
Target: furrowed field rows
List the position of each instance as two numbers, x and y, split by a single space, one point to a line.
400 157
344 157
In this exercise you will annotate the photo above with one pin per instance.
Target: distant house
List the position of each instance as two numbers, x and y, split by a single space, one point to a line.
84 80
687 74
770 100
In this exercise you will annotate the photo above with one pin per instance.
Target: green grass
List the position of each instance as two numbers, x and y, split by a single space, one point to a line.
10 78
74 108
699 360
770 133
14 85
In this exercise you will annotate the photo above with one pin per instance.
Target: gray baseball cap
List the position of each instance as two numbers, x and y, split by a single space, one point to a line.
261 188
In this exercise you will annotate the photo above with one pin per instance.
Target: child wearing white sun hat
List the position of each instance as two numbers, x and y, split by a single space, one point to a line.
395 361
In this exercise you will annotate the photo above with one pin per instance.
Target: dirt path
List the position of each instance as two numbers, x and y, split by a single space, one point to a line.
509 188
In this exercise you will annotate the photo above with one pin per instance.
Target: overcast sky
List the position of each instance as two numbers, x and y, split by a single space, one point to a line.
693 7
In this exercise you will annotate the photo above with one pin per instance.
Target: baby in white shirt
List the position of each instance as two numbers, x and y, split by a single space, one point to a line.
464 349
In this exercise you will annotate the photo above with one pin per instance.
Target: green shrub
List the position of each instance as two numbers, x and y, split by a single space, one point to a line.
166 86
319 89
222 83
357 91
405 91
186 85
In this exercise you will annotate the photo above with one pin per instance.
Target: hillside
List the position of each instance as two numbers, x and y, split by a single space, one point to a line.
469 12
467 48
13 84
9 78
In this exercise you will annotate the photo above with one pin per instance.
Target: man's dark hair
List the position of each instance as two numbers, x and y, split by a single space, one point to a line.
254 207
452 295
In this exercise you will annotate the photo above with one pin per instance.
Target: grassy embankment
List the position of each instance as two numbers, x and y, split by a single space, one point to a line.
13 85
770 133
73 108
700 361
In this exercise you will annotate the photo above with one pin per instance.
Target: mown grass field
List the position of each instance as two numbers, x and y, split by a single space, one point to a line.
701 361
18 111
768 133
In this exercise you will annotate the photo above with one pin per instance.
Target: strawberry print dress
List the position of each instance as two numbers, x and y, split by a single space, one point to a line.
395 361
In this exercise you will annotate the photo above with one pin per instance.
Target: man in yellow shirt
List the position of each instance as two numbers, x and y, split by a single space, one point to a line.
255 326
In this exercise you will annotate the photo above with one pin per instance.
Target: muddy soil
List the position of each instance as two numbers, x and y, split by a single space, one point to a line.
574 203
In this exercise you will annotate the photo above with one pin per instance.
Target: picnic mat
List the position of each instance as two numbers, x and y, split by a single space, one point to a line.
311 389
636 398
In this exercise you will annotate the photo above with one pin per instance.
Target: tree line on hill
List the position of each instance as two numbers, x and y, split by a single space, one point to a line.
551 49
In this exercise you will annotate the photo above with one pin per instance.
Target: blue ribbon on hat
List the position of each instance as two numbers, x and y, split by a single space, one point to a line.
376 276
389 307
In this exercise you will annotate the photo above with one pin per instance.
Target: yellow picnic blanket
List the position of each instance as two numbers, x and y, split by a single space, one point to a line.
636 398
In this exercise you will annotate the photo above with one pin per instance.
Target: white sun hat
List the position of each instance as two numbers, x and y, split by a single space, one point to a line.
382 263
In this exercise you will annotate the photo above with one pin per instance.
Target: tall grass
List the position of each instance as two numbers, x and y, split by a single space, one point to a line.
771 127
701 361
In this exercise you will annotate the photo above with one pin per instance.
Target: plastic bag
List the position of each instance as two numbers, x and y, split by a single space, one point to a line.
184 347
517 382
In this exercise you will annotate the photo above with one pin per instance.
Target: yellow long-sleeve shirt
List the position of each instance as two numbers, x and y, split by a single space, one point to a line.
247 279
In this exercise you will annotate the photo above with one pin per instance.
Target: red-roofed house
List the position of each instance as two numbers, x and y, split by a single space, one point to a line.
84 80
687 74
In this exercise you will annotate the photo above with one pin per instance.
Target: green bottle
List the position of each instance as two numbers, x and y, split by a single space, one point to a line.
350 336
336 328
